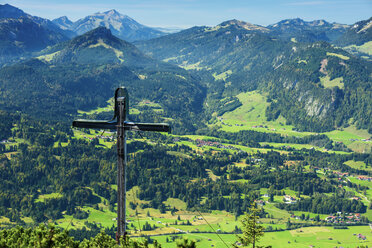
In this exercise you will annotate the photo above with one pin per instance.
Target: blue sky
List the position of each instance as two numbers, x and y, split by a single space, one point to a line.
187 13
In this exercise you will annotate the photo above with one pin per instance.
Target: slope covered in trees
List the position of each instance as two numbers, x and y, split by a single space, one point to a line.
84 72
243 59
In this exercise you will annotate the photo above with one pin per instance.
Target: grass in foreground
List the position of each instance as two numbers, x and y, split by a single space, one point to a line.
319 237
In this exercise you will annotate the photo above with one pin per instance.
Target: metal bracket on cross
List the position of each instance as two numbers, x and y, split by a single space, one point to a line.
120 123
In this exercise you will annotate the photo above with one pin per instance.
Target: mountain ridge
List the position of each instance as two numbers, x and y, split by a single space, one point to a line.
21 34
308 31
243 60
63 22
358 34
120 25
82 73
95 43
9 11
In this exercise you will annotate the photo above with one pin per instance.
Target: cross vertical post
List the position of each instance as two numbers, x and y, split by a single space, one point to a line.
121 180
120 123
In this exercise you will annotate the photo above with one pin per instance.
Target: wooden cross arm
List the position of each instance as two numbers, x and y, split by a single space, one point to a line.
155 127
97 124
129 126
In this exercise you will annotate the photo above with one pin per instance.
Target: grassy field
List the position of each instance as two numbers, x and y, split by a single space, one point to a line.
93 134
363 183
203 233
251 116
251 112
148 103
222 76
107 108
304 237
360 165
328 83
361 147
346 135
295 146
365 48
338 55
43 197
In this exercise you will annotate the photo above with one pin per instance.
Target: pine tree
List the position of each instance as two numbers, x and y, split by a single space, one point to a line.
252 231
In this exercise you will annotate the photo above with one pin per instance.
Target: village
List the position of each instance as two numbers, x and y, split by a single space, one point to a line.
201 143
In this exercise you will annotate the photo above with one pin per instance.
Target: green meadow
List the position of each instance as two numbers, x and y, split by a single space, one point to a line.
365 48
328 83
360 165
338 55
251 116
319 237
44 197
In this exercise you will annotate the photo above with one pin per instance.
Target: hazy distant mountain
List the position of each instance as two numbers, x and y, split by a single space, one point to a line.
241 25
358 34
63 22
21 33
9 11
24 34
303 31
98 46
120 25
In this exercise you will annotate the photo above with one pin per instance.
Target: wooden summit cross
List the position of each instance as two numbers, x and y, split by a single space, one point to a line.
120 123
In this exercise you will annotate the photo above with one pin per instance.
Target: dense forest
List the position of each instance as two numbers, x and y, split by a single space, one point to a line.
81 170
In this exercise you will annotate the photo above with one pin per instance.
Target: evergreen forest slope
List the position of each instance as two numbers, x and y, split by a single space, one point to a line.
246 57
85 71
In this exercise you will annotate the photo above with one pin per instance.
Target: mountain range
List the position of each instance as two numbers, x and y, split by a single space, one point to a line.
21 33
247 57
311 31
307 80
120 25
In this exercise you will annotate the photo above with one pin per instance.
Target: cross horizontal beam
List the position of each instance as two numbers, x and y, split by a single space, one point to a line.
128 125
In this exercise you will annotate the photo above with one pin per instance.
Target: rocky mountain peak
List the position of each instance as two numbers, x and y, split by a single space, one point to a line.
63 22
113 13
242 24
121 26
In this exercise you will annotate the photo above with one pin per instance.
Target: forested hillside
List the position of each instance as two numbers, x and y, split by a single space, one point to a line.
21 34
67 78
298 77
358 34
